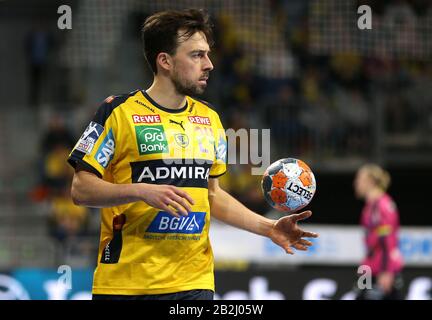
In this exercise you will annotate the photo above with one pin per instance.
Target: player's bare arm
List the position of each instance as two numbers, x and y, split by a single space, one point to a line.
284 232
91 191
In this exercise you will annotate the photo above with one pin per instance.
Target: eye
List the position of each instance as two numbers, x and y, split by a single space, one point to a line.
197 55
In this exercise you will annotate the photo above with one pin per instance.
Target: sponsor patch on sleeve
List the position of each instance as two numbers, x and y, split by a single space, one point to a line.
105 152
221 150
89 137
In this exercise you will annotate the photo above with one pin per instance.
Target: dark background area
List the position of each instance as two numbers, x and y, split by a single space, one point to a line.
335 202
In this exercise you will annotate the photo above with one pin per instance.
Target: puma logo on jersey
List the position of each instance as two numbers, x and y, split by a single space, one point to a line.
178 123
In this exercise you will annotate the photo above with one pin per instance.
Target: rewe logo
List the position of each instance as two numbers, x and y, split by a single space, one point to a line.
151 139
166 223
200 120
149 118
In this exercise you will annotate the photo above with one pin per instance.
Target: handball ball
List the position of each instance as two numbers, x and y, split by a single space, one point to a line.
288 185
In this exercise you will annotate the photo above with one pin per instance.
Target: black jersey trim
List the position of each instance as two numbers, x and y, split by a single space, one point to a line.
157 105
217 175
112 251
77 158
206 103
107 108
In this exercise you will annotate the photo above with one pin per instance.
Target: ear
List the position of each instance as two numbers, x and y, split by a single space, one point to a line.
164 61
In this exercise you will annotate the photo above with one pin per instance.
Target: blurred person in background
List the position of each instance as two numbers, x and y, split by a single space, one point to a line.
66 220
55 144
38 46
380 219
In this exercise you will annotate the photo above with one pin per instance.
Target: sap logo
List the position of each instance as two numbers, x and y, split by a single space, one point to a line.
166 223
200 120
106 150
146 118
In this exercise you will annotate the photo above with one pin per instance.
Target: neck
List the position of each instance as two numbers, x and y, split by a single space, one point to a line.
374 194
163 92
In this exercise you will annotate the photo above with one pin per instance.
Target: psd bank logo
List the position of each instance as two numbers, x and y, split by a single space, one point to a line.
166 223
151 139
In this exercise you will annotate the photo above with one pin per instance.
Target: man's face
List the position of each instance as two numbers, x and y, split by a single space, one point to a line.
191 65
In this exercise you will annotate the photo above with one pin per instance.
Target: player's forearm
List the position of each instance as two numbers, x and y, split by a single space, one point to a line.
227 209
90 191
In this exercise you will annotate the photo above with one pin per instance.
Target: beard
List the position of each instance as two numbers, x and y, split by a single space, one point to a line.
186 87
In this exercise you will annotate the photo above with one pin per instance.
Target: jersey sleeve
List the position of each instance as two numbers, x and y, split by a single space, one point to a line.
386 226
388 218
219 165
95 148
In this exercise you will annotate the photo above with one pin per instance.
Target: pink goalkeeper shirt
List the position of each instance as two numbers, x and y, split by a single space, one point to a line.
380 218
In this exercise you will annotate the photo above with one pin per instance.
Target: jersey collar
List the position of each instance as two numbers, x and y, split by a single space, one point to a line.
157 105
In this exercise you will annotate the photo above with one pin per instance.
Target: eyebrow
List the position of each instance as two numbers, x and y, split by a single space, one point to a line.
200 51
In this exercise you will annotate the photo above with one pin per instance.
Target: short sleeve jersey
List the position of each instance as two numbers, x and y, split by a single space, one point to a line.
132 139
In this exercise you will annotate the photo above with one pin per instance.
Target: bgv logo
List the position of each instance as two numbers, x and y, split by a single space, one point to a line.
166 223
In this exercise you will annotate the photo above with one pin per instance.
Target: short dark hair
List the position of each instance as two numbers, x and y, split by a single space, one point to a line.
160 31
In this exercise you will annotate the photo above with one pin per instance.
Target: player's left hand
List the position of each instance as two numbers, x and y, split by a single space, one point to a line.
286 233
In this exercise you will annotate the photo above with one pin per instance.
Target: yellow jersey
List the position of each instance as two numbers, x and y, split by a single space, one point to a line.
132 139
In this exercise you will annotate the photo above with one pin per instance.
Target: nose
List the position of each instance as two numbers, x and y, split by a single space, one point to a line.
208 65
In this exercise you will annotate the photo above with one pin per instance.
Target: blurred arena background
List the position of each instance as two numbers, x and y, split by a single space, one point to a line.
332 94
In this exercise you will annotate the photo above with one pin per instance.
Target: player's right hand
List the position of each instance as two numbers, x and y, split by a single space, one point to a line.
167 198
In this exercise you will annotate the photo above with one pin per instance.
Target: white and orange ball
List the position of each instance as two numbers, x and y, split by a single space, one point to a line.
288 185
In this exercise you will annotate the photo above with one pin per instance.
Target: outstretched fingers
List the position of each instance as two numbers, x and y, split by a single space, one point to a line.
305 242
307 234
302 216
300 247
